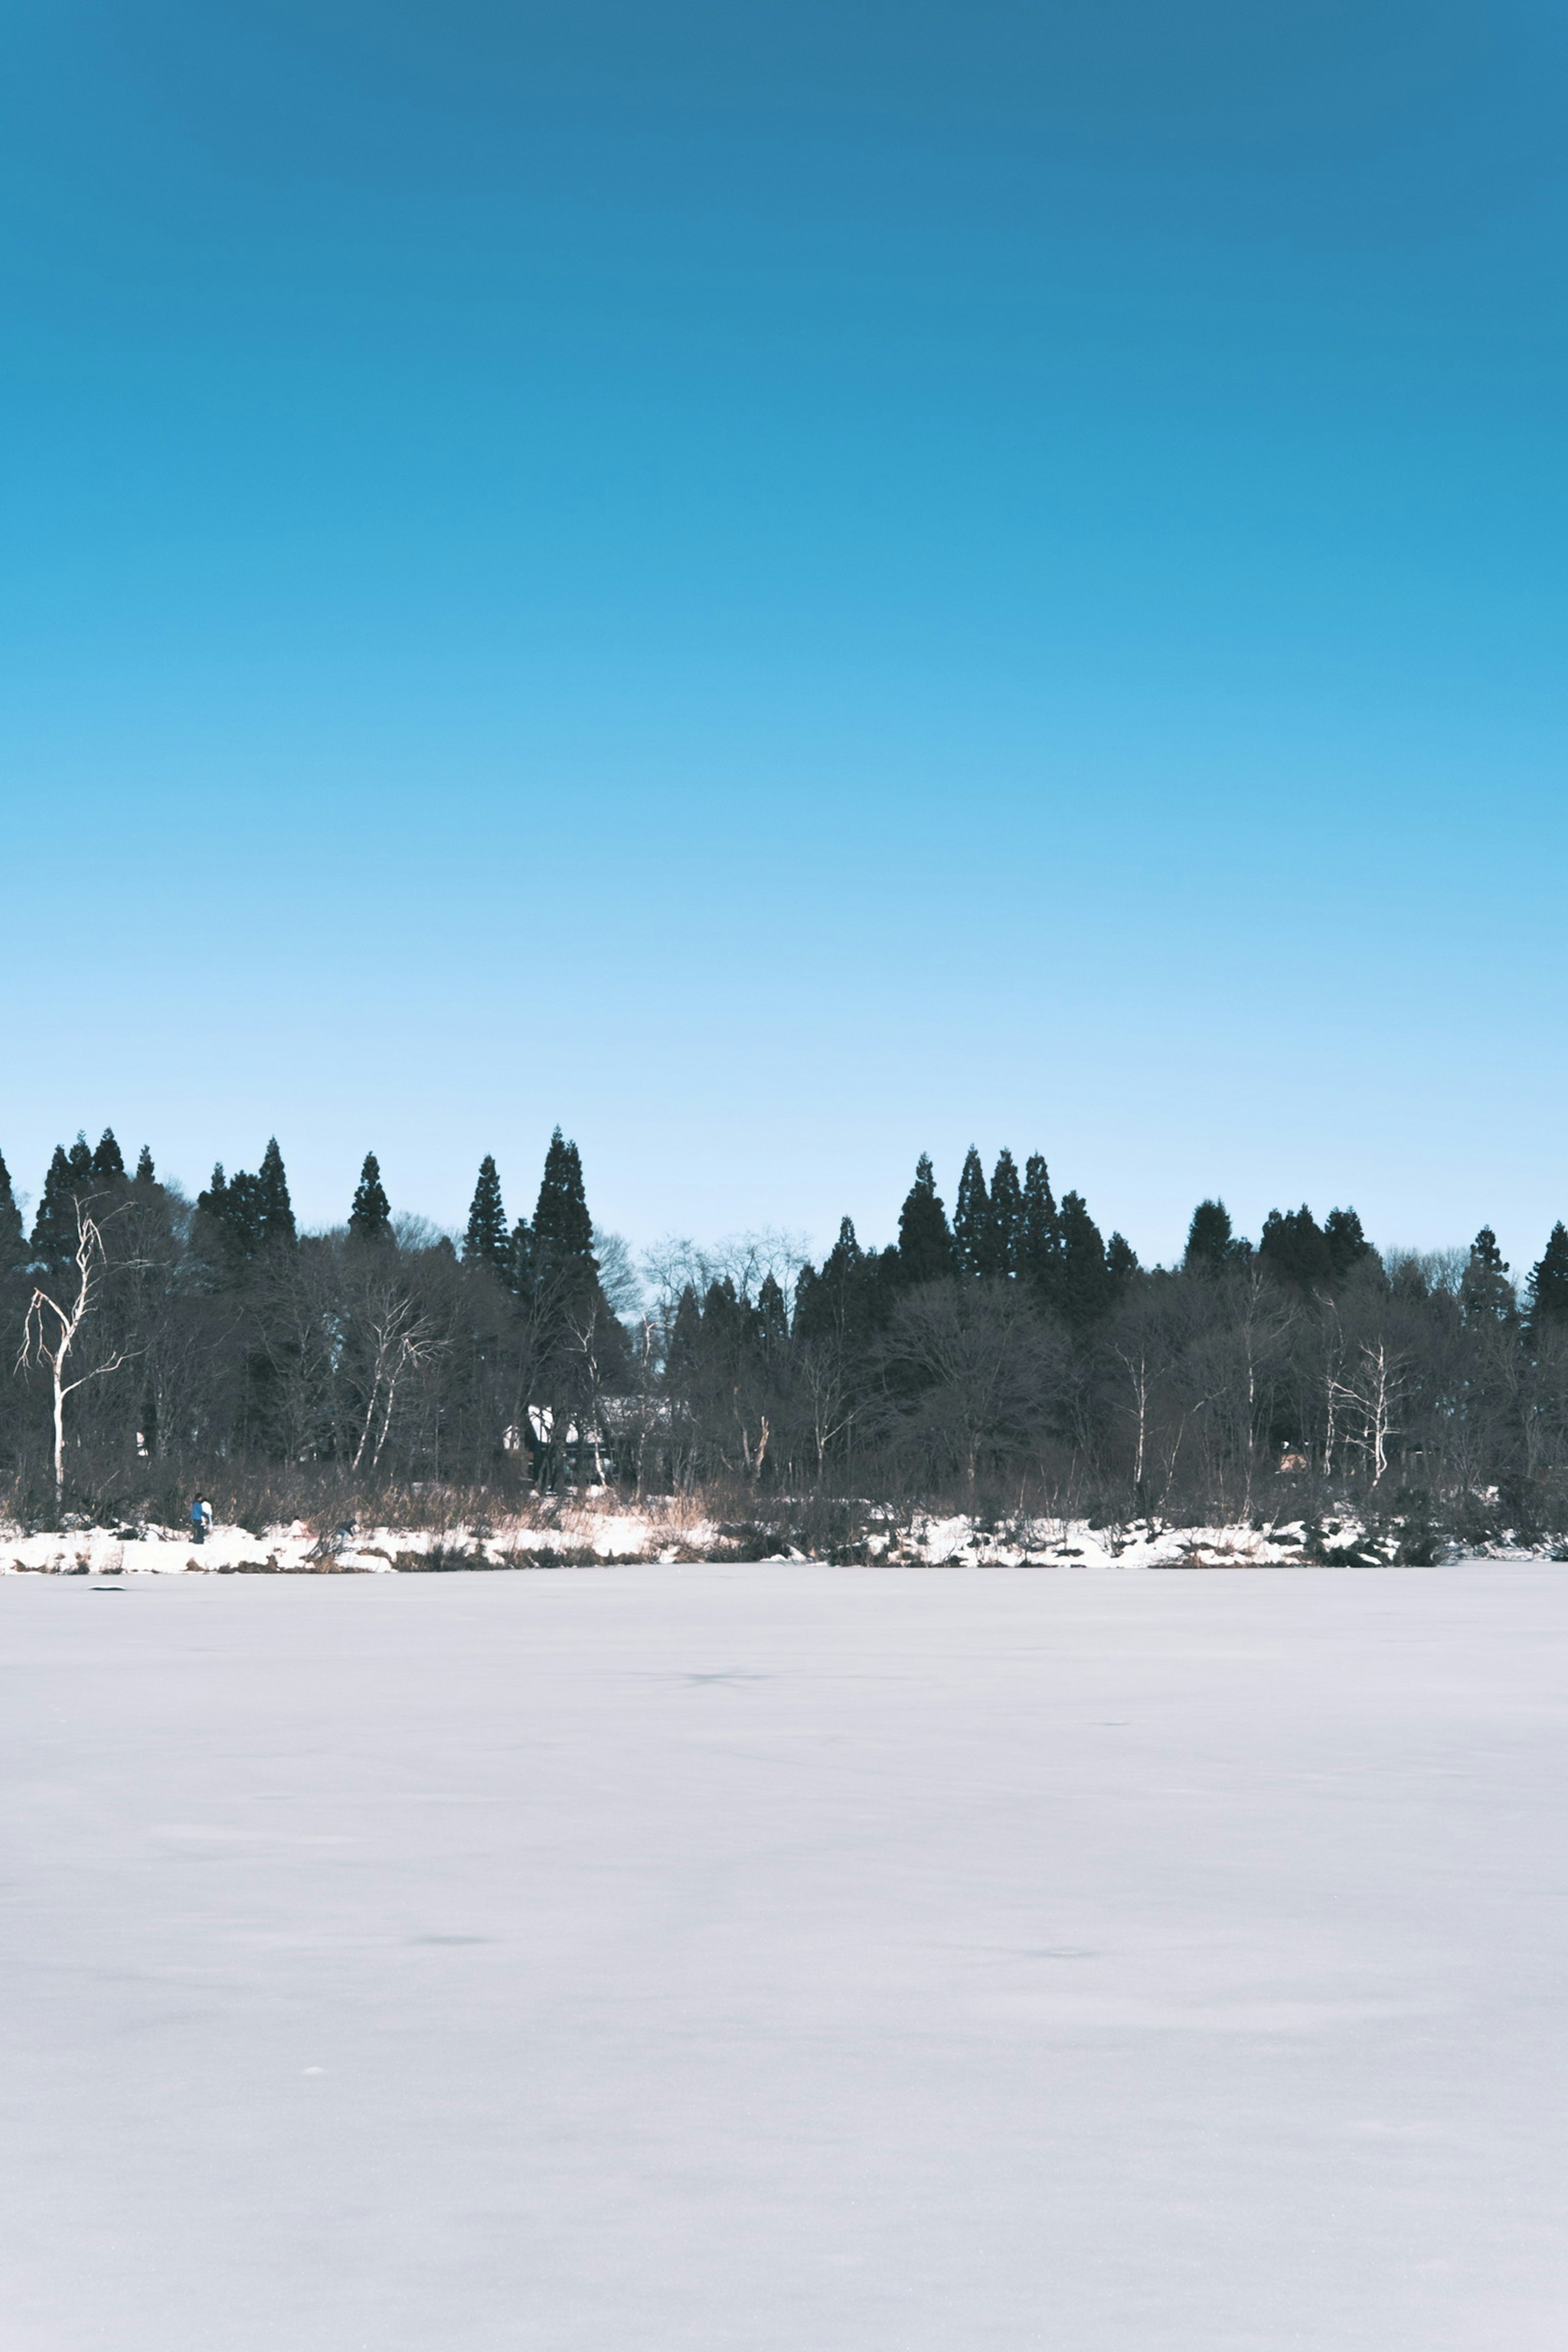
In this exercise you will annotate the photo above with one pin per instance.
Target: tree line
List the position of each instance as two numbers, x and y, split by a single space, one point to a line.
1008 1357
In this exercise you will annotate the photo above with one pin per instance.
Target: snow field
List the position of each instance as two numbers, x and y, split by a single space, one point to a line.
786 1958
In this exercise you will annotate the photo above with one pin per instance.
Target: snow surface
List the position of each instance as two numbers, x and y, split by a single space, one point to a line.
786 1958
578 1532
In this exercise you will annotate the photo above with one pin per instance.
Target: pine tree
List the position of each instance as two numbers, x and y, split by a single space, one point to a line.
1211 1243
683 1351
80 1168
561 1225
278 1230
486 1240
370 1218
108 1161
1040 1258
925 1243
520 1257
1292 1246
773 1318
1006 1216
848 1300
145 1172
55 1233
1120 1261
1485 1288
12 1243
1546 1295
1348 1246
973 1230
1084 1287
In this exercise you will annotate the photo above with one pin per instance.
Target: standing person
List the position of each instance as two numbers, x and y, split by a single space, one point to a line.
201 1519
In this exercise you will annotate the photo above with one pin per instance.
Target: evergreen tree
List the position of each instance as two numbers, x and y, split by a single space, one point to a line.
80 1168
683 1351
54 1235
973 1232
108 1161
370 1218
13 1246
1006 1216
1485 1288
1085 1284
1211 1243
278 1230
1348 1246
925 1243
145 1172
1292 1247
1040 1259
486 1240
1120 1261
773 1318
1546 1295
561 1225
520 1257
836 1303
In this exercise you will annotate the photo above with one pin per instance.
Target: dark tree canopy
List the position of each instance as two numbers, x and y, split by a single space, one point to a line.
1006 1216
973 1228
370 1218
12 1243
107 1162
1085 1285
925 1242
486 1240
145 1172
561 1225
1347 1245
1547 1292
1211 1243
54 1236
1041 1241
276 1210
1292 1247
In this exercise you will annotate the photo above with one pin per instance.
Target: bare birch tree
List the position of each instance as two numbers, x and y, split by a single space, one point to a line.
51 1332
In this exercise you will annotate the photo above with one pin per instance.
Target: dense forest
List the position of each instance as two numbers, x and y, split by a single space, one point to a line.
1008 1357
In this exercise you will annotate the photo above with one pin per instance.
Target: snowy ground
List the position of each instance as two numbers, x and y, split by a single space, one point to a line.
785 1959
585 1532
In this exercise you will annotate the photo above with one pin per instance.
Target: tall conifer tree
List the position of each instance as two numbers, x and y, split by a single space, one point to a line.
13 1243
1291 1245
276 1210
145 1172
108 1161
54 1237
1347 1245
925 1242
1485 1288
1042 1240
973 1231
1211 1243
486 1240
370 1218
562 1224
1547 1293
1085 1285
1006 1216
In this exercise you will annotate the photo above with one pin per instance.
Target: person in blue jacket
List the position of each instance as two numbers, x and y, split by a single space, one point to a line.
201 1519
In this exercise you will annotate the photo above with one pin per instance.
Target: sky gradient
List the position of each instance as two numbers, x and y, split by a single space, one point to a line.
786 586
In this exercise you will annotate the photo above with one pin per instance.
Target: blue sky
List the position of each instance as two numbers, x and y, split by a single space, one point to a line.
790 585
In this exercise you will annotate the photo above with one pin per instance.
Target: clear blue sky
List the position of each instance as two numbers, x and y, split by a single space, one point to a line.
786 584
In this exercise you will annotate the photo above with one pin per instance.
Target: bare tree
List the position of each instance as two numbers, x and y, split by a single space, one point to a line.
55 1344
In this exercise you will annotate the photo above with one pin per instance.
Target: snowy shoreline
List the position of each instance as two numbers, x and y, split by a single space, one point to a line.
581 1536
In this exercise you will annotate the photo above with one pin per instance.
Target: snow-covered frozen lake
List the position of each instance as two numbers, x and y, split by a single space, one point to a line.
788 1959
